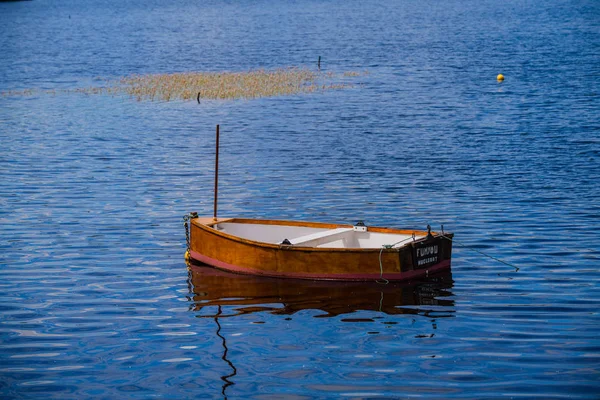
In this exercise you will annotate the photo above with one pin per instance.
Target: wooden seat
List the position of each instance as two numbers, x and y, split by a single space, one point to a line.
318 237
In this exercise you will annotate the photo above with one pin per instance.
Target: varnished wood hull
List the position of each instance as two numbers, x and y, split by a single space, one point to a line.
236 254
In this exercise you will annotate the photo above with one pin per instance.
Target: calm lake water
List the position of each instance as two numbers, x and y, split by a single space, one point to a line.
97 301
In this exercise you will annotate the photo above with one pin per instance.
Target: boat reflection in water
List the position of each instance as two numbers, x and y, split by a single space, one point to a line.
217 294
243 294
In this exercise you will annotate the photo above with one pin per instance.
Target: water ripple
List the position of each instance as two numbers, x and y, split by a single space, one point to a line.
96 301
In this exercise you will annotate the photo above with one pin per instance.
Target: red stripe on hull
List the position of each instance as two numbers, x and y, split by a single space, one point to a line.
328 277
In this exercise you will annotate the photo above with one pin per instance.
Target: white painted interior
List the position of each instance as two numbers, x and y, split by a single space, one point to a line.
314 237
266 233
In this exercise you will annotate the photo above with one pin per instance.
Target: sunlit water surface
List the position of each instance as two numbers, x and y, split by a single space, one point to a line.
95 297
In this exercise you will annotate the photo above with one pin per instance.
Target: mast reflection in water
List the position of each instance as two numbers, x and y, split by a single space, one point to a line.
225 378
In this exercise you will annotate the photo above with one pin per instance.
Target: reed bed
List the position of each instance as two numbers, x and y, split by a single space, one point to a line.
225 85
216 85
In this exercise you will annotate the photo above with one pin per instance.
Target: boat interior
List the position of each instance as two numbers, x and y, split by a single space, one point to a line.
301 236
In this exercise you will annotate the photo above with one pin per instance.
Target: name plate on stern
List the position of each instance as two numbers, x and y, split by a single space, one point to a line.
426 254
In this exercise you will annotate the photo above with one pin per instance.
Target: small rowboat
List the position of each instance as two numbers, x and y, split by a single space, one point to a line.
314 250
319 251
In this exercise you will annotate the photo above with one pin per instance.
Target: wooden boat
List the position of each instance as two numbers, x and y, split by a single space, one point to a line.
314 250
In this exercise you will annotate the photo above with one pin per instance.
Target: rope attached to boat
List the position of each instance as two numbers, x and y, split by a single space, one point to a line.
382 280
481 252
186 218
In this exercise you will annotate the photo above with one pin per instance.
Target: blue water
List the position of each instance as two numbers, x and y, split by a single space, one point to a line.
97 301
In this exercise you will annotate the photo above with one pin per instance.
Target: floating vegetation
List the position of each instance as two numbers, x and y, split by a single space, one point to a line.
216 85
229 85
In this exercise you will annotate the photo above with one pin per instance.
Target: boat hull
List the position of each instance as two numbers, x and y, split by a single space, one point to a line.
231 253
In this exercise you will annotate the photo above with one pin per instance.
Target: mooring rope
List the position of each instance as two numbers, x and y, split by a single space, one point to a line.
381 279
482 253
384 281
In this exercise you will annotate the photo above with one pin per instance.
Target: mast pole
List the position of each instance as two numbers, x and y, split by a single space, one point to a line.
216 175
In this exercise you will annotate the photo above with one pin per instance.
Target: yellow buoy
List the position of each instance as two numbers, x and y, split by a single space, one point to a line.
500 77
186 257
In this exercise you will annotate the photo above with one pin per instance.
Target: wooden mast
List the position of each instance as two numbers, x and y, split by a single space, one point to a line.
216 175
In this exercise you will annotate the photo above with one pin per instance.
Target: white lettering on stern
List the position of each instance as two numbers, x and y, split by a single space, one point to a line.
427 251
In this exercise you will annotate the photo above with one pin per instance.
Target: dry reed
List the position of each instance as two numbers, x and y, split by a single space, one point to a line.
225 85
217 85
